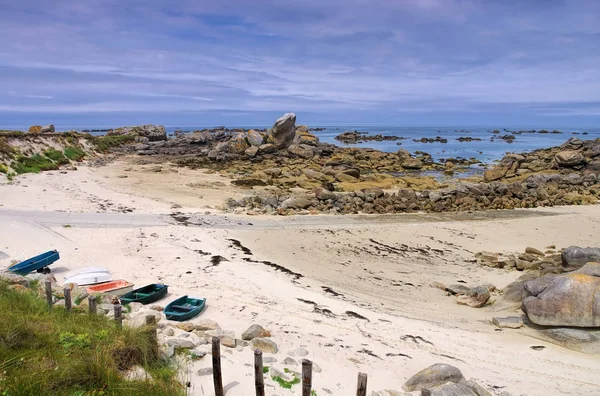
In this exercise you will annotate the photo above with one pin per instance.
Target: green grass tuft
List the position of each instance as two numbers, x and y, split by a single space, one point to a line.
265 369
285 384
74 153
56 156
33 164
103 144
60 353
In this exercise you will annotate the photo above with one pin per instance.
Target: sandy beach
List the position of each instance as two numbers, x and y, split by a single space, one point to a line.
354 291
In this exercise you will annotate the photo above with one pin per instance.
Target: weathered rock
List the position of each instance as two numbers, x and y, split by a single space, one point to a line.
323 194
205 371
152 132
475 297
299 352
158 308
389 392
134 306
344 177
255 331
35 129
288 361
265 345
255 138
412 163
313 174
238 144
251 151
219 333
139 319
569 158
575 256
449 389
478 389
267 148
584 341
510 322
302 150
566 300
457 289
14 279
432 376
48 129
535 251
207 324
169 332
283 131
189 327
180 343
228 341
297 203
592 269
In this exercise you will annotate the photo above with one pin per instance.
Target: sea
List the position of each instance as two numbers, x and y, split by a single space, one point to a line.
487 150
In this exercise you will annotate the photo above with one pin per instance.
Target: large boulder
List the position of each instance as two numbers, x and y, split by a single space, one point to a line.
304 137
265 345
238 144
152 132
569 158
47 129
566 300
302 150
576 257
255 138
283 131
433 376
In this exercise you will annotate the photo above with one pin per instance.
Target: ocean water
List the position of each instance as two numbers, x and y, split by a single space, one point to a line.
484 150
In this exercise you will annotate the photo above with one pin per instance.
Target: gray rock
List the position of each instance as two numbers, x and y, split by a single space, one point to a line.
205 371
297 203
283 131
47 129
449 389
569 158
478 389
389 392
323 194
567 300
135 306
267 148
432 376
219 333
139 319
206 324
576 257
288 361
255 331
457 290
255 138
299 352
592 269
228 341
169 332
510 322
316 368
137 373
476 297
584 341
251 151
265 345
179 343
169 352
14 279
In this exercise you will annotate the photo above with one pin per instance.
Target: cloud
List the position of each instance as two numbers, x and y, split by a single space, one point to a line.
319 56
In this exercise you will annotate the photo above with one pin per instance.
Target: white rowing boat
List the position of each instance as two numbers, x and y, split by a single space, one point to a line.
91 278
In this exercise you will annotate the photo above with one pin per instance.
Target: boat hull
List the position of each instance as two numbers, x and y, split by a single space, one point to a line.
115 288
146 295
37 263
90 279
184 308
86 270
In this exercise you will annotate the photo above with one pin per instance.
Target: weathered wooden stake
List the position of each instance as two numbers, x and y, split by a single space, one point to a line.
49 293
259 380
92 302
119 315
306 377
216 360
361 387
67 293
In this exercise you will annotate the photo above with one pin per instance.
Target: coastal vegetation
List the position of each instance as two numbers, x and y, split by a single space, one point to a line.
55 352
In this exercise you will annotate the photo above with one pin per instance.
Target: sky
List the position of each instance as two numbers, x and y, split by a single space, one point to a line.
246 62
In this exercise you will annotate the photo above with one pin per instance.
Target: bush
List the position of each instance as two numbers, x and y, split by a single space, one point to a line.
56 156
34 164
104 143
74 153
60 353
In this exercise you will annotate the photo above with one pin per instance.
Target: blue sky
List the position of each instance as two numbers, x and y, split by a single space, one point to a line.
187 62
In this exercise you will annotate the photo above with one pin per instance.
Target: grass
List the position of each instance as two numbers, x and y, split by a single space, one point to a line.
103 144
6 149
53 352
74 153
56 156
33 164
284 383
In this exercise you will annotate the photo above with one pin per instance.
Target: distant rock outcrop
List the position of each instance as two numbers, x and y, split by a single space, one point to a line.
152 132
35 129
47 129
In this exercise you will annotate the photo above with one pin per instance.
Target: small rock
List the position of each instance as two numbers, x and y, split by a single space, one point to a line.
510 322
205 371
179 343
288 361
207 324
186 326
534 251
255 331
135 306
316 368
158 308
457 289
475 297
432 376
169 332
269 359
169 352
228 341
299 352
265 345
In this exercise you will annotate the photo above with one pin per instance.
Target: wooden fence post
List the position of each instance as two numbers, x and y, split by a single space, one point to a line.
361 386
259 380
216 360
67 293
49 293
92 302
306 377
119 315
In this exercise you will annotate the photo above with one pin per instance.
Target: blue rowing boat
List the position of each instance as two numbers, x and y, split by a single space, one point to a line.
38 263
184 308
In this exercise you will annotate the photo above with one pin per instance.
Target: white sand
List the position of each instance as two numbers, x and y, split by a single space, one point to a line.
391 289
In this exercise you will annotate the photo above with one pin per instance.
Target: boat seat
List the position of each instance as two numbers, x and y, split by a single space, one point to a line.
141 295
183 308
